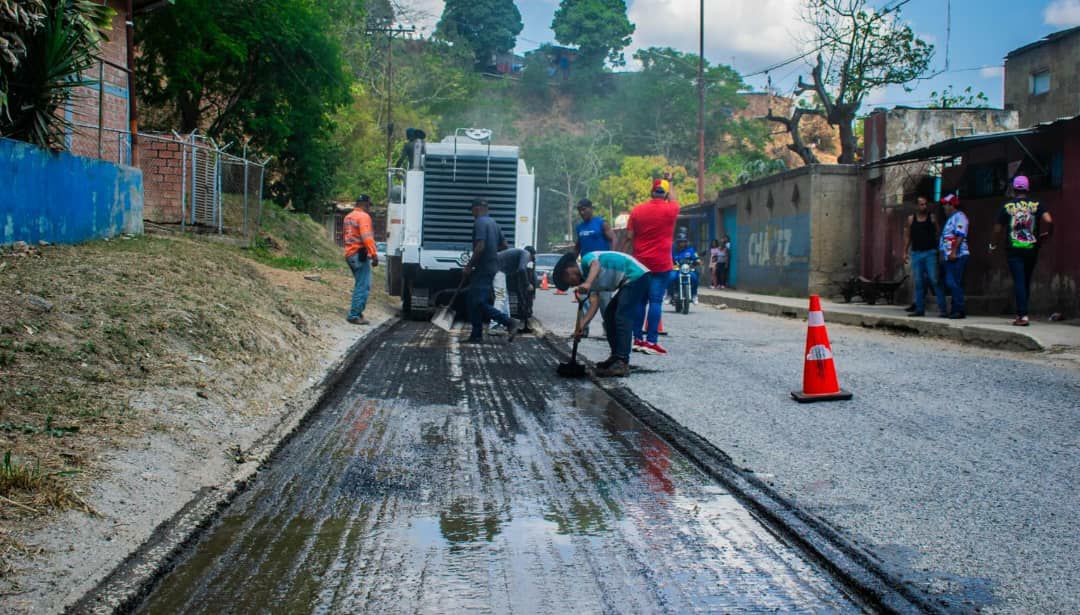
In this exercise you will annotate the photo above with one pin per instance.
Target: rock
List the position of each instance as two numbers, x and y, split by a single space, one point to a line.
202 394
38 303
43 243
313 277
20 247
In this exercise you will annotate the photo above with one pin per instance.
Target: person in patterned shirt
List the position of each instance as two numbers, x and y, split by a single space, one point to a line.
955 253
1028 226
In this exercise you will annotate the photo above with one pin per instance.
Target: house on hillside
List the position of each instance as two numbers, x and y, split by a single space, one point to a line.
1042 80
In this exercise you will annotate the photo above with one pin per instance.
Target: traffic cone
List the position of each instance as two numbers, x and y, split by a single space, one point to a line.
544 283
819 372
660 328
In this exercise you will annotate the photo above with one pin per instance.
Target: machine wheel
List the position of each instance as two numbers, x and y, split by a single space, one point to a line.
686 306
407 311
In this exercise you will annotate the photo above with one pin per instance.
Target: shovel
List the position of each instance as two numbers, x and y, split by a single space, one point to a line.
444 316
573 369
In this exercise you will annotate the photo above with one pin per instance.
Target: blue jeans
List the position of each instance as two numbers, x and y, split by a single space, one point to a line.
924 267
480 308
1022 267
361 270
620 316
651 307
954 279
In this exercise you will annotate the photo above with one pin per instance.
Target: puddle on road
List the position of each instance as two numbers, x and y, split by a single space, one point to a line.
526 493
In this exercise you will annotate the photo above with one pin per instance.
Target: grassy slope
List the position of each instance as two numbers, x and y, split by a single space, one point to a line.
132 315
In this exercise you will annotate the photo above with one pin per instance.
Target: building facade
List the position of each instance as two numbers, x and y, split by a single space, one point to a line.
1042 80
891 190
791 233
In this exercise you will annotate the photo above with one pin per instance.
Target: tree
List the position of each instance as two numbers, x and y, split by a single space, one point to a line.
599 29
948 99
654 111
267 71
632 183
569 166
860 49
45 47
489 27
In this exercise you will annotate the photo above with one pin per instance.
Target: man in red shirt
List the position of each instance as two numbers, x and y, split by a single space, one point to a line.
650 230
361 255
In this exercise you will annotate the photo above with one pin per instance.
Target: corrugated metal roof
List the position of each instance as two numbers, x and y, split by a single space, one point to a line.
959 145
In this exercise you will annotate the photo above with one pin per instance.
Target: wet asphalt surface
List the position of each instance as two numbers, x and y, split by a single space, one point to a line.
954 466
446 478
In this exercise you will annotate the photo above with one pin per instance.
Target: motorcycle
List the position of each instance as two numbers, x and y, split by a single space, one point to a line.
683 294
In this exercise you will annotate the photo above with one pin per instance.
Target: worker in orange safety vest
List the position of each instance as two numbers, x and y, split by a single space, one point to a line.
361 255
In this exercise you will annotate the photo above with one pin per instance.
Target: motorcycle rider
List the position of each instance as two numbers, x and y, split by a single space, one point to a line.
685 252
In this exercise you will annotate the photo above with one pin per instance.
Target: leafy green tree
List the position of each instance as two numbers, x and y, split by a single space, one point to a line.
489 27
269 71
949 99
654 111
599 29
860 49
568 167
619 192
45 47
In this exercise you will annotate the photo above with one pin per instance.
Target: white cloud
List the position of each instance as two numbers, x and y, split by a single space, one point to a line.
992 72
1063 13
749 33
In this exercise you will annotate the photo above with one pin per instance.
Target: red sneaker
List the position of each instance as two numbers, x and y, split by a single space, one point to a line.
656 349
639 345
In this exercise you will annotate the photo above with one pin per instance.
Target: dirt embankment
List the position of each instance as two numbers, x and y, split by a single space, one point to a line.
132 374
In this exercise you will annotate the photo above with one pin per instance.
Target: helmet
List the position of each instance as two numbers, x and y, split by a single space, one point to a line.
951 199
1021 182
661 186
583 203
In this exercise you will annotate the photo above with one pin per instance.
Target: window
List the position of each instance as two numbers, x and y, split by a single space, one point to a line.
1040 82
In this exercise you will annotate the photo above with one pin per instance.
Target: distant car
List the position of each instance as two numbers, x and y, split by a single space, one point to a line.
545 263
380 249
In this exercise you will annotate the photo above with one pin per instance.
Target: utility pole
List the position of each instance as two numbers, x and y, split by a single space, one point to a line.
391 31
701 106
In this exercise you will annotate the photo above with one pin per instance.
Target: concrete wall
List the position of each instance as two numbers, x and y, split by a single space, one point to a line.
1060 54
796 232
61 198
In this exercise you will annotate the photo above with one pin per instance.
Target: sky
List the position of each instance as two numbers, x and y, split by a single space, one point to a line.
753 34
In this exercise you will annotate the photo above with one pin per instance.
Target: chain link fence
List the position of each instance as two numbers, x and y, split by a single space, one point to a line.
190 180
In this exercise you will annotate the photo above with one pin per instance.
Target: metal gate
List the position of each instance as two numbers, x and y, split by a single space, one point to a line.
205 182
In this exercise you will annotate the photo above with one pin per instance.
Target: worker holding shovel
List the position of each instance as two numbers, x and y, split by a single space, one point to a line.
619 274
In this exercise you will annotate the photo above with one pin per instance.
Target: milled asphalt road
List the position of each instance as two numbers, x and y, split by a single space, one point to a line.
956 466
450 479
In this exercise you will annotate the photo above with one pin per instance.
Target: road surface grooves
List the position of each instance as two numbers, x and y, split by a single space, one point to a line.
450 478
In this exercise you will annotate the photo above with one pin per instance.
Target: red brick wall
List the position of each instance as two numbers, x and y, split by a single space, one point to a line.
161 159
83 108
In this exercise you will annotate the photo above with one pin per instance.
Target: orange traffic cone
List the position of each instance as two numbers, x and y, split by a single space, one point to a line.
660 328
560 292
544 283
819 372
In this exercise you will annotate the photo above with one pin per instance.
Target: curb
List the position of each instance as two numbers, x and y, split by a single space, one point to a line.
855 567
133 578
970 334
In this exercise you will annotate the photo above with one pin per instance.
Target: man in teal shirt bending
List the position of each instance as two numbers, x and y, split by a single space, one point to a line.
619 274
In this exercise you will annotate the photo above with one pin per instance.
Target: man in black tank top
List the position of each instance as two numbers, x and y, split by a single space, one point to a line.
920 244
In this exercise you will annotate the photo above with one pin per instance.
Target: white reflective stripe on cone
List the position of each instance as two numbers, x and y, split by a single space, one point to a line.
816 319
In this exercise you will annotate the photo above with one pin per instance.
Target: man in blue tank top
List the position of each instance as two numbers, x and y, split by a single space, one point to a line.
592 234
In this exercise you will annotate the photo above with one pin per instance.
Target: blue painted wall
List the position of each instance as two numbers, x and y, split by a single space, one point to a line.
61 198
774 256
